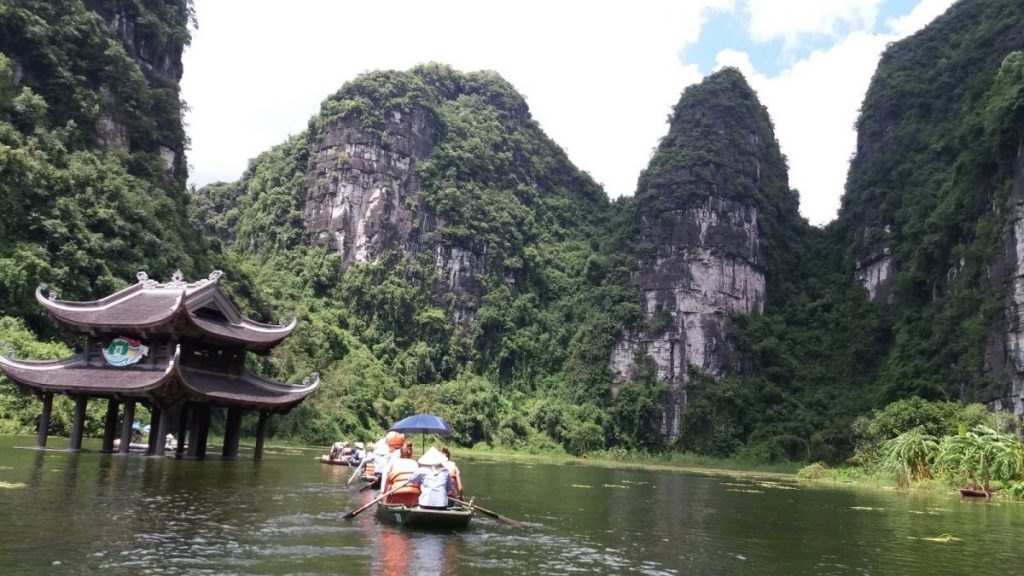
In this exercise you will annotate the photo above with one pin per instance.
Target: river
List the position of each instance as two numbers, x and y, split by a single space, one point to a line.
89 513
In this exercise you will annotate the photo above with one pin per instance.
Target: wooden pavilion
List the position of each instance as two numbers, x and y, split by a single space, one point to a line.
177 347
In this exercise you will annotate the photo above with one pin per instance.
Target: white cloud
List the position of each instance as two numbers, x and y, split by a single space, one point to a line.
791 19
815 102
600 77
919 17
814 105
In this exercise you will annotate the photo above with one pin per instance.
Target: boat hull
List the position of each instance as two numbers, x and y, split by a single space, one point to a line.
449 519
343 461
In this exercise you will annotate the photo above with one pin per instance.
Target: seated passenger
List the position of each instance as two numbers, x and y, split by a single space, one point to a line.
358 453
336 449
453 471
433 480
396 478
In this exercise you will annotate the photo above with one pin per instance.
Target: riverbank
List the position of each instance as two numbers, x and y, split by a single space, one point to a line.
671 461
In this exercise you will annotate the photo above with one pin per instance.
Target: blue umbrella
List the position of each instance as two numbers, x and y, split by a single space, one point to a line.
424 424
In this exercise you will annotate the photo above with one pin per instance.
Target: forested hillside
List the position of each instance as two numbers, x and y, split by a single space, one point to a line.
442 254
479 284
92 169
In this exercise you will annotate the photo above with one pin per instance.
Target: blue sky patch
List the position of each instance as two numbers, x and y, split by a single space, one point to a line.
729 30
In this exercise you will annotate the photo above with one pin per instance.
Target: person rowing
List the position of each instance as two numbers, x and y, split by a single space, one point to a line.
453 472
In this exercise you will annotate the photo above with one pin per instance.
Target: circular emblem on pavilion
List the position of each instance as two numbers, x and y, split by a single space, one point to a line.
124 351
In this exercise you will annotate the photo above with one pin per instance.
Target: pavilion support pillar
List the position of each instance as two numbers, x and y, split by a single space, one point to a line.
232 432
126 427
110 426
78 423
154 430
261 434
159 429
183 412
44 419
198 431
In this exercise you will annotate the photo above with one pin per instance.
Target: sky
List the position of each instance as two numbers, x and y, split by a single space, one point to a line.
600 77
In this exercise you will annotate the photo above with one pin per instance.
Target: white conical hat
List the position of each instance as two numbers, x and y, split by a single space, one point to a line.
432 457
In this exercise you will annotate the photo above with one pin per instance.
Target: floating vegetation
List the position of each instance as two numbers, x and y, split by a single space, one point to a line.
869 508
633 482
777 486
11 485
580 486
942 538
747 491
614 486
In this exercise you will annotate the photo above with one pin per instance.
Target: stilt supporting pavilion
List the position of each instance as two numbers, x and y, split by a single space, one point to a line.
177 348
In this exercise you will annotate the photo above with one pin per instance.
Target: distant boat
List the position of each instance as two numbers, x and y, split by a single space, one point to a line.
343 461
976 493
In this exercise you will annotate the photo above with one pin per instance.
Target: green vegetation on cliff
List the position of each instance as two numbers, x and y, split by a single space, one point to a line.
86 197
529 367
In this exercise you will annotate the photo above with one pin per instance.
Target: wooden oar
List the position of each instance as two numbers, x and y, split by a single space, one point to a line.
355 512
490 513
356 473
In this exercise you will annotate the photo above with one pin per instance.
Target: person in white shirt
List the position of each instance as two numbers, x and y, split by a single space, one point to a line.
433 479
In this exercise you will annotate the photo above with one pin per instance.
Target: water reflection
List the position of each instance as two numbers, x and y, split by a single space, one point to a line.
402 552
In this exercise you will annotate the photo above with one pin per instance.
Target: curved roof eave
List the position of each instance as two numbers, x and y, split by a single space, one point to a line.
246 390
75 375
96 314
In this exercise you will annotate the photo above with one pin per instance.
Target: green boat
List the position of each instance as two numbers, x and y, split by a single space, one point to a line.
455 518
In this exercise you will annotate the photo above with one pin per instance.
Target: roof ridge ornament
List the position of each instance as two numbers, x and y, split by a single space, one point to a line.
315 377
145 280
43 286
215 275
177 280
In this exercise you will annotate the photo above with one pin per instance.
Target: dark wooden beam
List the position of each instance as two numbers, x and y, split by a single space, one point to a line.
78 423
154 430
126 427
44 419
110 426
204 431
232 432
261 434
183 414
161 430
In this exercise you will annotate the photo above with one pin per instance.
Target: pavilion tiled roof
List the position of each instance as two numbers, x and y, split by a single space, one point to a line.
168 383
246 390
76 375
176 306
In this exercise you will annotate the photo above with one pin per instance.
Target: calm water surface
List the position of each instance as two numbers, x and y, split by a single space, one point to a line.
89 513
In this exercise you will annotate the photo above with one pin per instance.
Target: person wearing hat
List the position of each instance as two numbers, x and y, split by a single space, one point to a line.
336 449
433 479
358 453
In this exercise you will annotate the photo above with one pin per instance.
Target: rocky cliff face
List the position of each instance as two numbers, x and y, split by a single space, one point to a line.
1005 345
360 194
364 199
154 37
702 255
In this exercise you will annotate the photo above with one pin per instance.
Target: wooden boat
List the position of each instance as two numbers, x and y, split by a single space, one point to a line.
976 493
455 518
343 461
372 480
